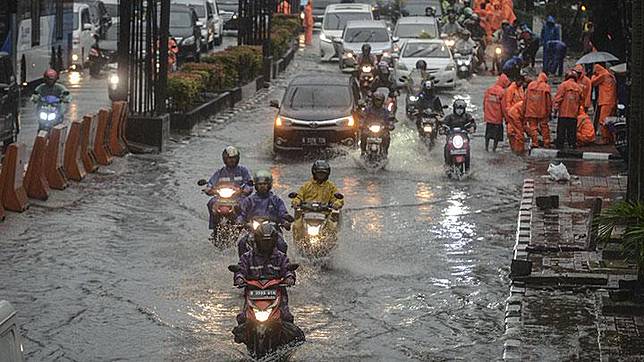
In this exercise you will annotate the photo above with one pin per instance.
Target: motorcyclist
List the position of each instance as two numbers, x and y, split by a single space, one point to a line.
366 57
233 173
458 119
508 40
531 44
264 204
416 77
464 43
427 99
452 27
466 14
376 110
473 25
51 87
318 189
264 260
383 78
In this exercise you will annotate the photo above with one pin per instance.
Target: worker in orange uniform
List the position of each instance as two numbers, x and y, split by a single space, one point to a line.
493 112
513 94
537 108
585 128
586 85
508 11
284 7
516 131
567 101
308 23
606 101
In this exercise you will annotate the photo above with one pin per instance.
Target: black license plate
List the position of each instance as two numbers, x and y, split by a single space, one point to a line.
314 141
262 294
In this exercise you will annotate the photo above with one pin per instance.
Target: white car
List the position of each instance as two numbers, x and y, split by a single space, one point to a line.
82 36
435 53
336 17
415 27
359 32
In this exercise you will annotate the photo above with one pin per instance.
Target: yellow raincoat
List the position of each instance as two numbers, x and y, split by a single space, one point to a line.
313 191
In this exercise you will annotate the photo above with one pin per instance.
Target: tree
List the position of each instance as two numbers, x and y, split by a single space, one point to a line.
636 109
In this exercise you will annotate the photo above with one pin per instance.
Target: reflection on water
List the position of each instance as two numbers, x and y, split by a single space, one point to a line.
458 231
74 79
424 195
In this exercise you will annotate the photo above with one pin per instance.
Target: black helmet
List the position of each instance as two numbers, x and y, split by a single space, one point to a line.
263 177
421 65
427 86
366 49
321 170
459 107
265 239
378 99
230 156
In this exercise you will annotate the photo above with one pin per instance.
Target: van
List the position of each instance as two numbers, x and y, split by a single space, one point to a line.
10 345
82 36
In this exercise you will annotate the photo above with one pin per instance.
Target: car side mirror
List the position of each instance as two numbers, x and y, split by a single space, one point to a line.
202 182
274 104
338 196
234 268
199 24
292 266
292 195
87 27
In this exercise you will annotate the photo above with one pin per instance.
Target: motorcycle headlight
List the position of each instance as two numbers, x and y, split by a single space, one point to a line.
188 41
43 116
413 98
375 128
349 55
302 15
114 80
498 51
51 116
427 129
262 315
350 121
226 192
366 69
386 54
255 225
466 62
75 57
449 42
458 141
460 62
313 230
234 16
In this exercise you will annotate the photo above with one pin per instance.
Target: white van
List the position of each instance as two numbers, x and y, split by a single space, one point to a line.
333 23
82 36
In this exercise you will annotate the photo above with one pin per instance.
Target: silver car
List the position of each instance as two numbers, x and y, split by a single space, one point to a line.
440 63
335 19
357 33
415 27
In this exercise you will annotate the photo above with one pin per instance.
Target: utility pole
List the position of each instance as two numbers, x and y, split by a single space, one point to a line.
636 108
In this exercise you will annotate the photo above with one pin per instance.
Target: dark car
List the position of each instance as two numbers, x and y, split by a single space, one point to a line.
317 111
228 10
9 102
185 27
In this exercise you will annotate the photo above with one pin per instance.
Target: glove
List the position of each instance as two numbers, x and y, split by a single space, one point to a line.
239 281
337 205
289 281
35 98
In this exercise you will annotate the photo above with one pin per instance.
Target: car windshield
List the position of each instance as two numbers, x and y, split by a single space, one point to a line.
322 4
327 96
416 31
418 9
425 50
362 35
180 19
337 21
112 9
200 9
232 6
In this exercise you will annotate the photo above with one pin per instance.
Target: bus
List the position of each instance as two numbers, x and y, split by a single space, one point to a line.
38 35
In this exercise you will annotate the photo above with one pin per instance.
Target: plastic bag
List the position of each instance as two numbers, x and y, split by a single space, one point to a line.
558 172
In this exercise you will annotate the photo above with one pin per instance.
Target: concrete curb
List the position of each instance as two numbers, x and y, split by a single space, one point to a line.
550 153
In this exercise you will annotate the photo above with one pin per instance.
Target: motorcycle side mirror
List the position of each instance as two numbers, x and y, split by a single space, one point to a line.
403 79
338 196
292 195
202 182
292 266
404 12
274 104
234 268
289 218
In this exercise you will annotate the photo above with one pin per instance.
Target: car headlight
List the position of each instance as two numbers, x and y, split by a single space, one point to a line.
449 68
458 141
366 69
226 192
313 230
51 116
43 116
413 98
188 41
262 315
324 38
75 57
375 128
350 122
427 129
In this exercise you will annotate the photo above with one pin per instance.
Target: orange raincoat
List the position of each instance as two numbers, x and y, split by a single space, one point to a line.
493 101
515 128
308 23
607 99
585 84
585 129
513 95
508 11
568 99
537 108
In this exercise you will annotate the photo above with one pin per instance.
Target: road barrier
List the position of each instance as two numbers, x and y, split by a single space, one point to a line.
54 170
117 145
88 135
101 149
14 196
73 162
35 181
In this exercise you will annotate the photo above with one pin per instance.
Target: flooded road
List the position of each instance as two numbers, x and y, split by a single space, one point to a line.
121 269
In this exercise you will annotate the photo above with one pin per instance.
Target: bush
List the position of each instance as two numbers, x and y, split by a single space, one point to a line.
213 73
280 42
288 22
239 63
183 90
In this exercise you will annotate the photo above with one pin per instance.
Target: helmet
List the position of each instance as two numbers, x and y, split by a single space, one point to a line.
451 16
571 74
475 17
321 170
265 238
427 86
459 107
50 75
467 12
504 23
378 99
421 65
366 49
230 156
383 67
263 178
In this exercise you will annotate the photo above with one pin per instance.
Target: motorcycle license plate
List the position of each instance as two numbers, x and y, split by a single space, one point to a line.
374 140
458 152
262 294
314 141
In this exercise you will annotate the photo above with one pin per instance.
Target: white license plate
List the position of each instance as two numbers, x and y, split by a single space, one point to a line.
262 294
314 141
374 140
458 152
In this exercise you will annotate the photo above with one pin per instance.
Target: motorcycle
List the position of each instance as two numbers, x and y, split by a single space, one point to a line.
50 112
366 76
375 154
226 208
464 64
497 58
264 330
427 124
97 60
618 126
247 230
319 227
457 151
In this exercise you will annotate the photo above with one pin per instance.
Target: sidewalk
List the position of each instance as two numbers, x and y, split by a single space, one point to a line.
565 299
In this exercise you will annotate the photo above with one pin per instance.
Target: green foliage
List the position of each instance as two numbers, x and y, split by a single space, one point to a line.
212 74
284 29
239 63
630 216
288 22
183 89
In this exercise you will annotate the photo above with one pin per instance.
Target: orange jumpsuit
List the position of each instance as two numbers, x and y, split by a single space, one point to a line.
513 95
308 23
607 99
493 101
537 108
508 11
585 129
515 128
586 85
